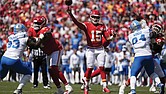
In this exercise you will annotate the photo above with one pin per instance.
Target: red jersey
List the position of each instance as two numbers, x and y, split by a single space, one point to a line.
94 34
50 45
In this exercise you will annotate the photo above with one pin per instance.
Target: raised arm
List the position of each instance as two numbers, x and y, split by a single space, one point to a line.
79 24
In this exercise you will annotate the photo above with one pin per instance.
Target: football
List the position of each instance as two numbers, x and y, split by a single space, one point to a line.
68 2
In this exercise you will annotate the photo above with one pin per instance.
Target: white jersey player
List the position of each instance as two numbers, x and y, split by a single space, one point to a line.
140 40
11 60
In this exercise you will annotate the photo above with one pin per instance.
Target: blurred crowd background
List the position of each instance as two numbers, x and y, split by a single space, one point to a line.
116 14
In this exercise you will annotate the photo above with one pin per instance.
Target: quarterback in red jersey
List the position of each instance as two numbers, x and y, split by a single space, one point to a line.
53 49
94 32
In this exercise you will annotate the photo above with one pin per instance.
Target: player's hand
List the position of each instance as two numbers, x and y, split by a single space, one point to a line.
69 10
41 36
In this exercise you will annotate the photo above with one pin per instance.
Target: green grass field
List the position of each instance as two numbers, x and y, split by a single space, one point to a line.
9 87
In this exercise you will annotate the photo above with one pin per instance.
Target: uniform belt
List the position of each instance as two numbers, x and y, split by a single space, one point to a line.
94 47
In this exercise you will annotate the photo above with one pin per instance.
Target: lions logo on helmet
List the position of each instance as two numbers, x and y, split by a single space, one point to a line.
135 25
19 28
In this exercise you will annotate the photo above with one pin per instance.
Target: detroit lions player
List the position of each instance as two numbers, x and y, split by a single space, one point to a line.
140 40
16 45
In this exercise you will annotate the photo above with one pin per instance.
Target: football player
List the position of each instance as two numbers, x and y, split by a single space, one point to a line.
53 48
156 43
140 40
38 56
16 45
94 31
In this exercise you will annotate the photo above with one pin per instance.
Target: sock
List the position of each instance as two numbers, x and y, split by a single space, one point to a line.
53 73
155 77
104 84
88 75
23 81
132 82
103 74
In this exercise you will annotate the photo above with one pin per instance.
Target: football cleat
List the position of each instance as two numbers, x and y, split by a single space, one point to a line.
69 89
161 88
106 90
35 86
84 85
121 89
152 89
18 91
132 92
46 87
60 91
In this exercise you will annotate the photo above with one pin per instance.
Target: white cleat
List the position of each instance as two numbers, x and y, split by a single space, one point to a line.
69 89
46 87
121 89
18 91
152 89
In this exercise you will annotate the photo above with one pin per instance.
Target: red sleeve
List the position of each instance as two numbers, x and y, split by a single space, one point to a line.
105 42
30 32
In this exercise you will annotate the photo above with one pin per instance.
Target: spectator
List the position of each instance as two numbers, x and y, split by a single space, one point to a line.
75 65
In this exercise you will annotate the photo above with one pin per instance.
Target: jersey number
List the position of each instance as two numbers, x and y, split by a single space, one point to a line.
14 44
96 36
135 40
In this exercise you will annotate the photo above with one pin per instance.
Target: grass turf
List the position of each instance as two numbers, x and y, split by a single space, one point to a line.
9 87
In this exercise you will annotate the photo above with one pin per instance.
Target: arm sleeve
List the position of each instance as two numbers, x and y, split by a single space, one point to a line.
32 43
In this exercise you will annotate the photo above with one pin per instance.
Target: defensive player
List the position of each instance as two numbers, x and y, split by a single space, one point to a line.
156 47
53 48
16 45
94 32
140 40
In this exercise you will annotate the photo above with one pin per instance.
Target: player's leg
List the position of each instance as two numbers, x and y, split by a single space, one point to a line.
152 74
22 68
3 68
101 62
158 70
90 59
135 69
55 57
